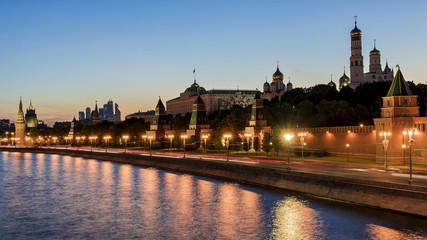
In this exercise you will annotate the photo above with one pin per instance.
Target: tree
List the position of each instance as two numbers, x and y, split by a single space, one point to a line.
267 144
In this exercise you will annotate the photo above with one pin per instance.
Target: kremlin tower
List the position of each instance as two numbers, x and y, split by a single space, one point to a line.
20 126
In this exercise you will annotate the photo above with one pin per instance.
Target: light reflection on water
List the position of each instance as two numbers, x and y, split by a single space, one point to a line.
46 196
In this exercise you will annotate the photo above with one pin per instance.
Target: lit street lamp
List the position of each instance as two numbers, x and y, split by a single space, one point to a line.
125 138
145 140
348 154
301 138
149 139
184 137
171 136
107 139
78 142
385 146
410 132
227 143
248 136
54 141
288 137
205 138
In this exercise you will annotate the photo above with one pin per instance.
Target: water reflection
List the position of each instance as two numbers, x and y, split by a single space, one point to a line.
293 219
376 232
56 197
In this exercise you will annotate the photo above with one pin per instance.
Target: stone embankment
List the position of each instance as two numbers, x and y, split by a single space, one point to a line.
408 199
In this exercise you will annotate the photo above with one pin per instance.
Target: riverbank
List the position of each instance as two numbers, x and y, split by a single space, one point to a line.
403 198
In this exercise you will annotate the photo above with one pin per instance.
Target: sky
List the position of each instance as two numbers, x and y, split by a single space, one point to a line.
65 55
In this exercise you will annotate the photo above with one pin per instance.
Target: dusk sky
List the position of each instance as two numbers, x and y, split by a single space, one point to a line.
64 55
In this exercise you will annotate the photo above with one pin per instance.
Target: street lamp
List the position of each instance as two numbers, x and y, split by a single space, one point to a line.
54 141
107 139
184 137
288 137
205 138
348 149
248 136
125 137
145 140
227 143
385 146
301 138
403 153
66 141
410 132
171 136
78 142
149 139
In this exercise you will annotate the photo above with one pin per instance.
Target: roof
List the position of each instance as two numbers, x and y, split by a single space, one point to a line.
399 87
225 91
160 104
199 100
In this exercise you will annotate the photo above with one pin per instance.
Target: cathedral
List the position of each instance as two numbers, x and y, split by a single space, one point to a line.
276 88
357 75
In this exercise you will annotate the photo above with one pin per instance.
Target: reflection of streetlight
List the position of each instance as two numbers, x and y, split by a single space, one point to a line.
184 137
149 139
288 137
227 143
348 147
385 146
301 138
171 136
125 137
248 136
107 139
410 132
205 138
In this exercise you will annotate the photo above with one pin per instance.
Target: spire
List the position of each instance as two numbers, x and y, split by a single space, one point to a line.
399 87
355 21
194 74
20 117
344 71
96 105
30 107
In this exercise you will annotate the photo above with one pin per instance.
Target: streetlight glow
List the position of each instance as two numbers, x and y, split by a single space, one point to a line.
288 137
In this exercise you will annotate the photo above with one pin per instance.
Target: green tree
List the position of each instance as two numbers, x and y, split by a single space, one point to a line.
267 144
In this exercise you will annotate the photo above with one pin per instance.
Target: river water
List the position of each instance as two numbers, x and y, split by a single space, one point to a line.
46 196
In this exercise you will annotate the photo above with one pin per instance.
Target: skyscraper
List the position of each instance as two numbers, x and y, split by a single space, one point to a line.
31 117
81 115
88 113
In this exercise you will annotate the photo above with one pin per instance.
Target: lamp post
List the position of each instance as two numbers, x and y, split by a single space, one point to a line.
410 132
184 137
78 142
205 138
301 139
150 138
125 138
107 139
403 154
145 140
66 141
347 146
385 146
288 137
54 141
248 136
171 136
227 143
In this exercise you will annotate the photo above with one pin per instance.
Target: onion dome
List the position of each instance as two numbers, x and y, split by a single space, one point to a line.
278 75
289 86
374 51
355 31
344 80
266 86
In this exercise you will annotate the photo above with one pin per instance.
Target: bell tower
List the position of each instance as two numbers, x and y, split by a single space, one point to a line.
356 58
20 126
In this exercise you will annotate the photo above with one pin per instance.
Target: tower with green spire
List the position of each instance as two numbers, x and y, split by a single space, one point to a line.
400 112
160 122
20 126
257 123
199 124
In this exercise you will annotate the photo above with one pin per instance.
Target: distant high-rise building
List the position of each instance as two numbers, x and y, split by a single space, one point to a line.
109 111
88 113
81 115
101 114
117 113
31 117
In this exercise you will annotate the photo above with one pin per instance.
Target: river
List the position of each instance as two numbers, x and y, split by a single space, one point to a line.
45 196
